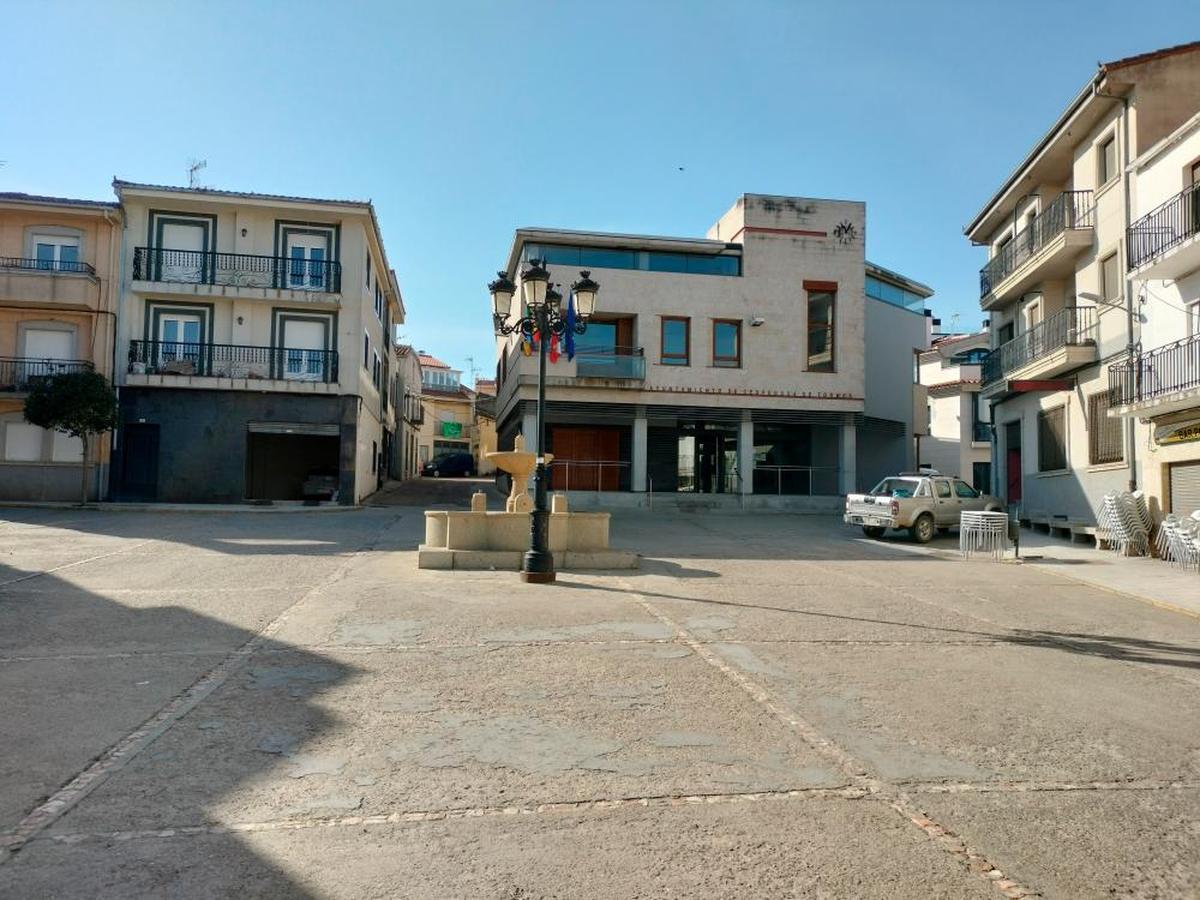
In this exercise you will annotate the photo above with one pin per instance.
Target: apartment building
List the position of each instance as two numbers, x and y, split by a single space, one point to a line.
409 412
956 439
254 347
1056 292
449 423
1157 389
767 359
59 260
485 425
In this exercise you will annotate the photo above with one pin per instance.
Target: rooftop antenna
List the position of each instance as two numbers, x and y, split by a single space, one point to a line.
954 323
473 369
194 166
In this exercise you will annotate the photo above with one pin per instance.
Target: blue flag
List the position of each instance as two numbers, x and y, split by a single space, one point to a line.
569 339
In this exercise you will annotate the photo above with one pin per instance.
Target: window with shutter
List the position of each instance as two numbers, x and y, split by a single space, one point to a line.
1105 435
1052 439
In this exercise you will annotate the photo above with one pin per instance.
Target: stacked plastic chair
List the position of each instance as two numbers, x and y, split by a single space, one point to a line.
1123 515
983 532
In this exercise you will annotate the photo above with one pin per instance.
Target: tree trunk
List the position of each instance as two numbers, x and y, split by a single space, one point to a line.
83 468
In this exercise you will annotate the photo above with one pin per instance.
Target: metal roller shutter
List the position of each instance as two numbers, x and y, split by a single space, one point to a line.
1185 488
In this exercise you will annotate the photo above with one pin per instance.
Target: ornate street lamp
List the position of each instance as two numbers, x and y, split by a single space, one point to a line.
541 312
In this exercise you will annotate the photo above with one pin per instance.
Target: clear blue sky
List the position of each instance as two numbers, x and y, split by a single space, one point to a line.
462 121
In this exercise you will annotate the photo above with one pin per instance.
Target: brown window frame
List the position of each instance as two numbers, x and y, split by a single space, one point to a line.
1103 175
726 362
1045 441
1106 435
820 287
675 359
1119 285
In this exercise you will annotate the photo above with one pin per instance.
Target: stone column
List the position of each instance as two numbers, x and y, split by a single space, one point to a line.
848 450
637 480
745 455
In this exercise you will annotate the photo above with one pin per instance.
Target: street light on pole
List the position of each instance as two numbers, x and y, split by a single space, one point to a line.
541 313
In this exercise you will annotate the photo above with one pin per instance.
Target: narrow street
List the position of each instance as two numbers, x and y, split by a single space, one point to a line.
771 706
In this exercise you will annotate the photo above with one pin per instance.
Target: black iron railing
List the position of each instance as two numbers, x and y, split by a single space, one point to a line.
236 269
610 362
981 432
19 373
1157 373
1070 209
46 265
232 361
1165 227
1068 327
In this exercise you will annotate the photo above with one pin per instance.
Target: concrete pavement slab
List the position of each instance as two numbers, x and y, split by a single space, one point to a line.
990 712
1085 843
814 848
465 727
57 715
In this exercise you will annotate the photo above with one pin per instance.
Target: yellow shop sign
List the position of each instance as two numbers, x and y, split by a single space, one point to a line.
1178 432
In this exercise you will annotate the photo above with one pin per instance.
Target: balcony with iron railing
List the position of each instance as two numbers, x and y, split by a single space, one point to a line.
54 282
1044 249
1161 381
1066 340
166 362
1165 243
236 270
19 373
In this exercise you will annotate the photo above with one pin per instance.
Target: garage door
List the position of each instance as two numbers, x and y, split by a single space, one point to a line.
1185 488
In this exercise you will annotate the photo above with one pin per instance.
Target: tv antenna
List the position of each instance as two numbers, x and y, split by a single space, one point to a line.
194 166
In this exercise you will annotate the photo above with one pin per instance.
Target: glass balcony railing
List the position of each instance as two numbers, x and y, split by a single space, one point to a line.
614 362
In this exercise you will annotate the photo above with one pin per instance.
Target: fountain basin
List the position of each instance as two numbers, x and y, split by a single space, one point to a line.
479 539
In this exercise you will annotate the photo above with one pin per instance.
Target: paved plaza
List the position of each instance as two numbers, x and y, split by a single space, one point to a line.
258 704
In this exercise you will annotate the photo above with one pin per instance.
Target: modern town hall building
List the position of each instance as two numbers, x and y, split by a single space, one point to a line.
767 358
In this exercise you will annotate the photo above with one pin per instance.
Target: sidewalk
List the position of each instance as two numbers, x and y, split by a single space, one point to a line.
1151 580
279 506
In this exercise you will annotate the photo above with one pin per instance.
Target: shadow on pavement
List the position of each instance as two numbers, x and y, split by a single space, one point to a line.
78 673
1112 647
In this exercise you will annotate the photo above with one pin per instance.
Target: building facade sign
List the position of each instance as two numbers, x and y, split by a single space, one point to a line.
1178 432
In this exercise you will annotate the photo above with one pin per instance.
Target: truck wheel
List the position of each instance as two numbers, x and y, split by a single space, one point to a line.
922 530
873 531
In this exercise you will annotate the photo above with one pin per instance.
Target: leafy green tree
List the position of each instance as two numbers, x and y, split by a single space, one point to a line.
80 403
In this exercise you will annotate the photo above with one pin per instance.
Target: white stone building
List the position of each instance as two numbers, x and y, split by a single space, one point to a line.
1158 390
1056 292
766 359
957 436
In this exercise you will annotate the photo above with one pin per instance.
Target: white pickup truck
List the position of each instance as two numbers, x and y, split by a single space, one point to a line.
922 502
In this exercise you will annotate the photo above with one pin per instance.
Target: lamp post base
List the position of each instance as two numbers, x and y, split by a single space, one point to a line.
537 567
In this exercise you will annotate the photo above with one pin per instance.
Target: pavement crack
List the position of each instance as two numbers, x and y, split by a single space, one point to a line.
974 862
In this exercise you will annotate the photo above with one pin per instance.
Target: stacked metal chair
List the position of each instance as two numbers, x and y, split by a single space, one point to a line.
1125 518
1179 541
983 532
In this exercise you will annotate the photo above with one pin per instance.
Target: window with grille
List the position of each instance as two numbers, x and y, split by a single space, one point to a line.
1052 439
1105 436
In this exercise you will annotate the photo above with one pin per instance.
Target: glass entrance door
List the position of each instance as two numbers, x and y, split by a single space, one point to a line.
708 458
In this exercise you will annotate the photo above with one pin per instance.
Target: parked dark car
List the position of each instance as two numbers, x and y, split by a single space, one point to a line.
450 464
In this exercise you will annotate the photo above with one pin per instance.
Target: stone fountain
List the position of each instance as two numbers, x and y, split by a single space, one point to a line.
483 539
